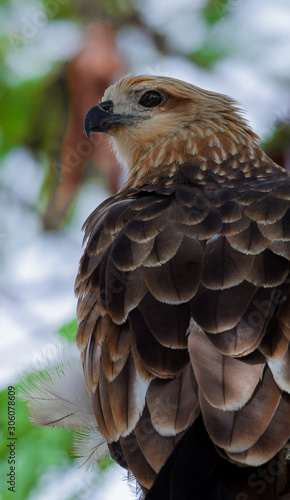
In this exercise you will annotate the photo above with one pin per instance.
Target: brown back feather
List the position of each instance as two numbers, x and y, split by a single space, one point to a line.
180 270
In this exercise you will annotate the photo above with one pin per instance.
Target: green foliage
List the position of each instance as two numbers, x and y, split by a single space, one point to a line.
60 9
215 10
69 330
16 105
207 56
37 449
279 140
32 110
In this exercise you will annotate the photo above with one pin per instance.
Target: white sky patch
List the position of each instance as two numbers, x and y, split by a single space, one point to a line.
53 41
61 484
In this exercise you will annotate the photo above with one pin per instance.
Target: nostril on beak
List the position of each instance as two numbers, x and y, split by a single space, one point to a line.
107 106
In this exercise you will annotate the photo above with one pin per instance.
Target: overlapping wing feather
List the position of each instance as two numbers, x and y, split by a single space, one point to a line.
184 307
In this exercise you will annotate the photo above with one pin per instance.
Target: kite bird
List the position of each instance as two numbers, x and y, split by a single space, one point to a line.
184 298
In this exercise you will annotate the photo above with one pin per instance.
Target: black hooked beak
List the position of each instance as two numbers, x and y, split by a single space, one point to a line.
100 118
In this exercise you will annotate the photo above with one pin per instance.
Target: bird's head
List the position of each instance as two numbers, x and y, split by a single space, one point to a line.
140 105
141 112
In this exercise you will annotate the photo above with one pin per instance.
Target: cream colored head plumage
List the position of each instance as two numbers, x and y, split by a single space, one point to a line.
181 106
156 120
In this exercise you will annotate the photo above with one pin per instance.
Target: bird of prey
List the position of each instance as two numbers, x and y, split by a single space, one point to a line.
184 298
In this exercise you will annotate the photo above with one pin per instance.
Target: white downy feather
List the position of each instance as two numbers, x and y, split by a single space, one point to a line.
90 448
56 394
55 390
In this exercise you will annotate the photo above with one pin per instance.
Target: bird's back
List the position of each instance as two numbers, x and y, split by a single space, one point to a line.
184 310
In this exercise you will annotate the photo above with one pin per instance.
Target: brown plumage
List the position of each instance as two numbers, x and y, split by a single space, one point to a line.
184 317
189 263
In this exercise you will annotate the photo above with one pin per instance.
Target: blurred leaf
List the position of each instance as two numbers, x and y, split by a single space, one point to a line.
118 10
32 114
280 139
69 330
60 9
207 56
215 10
16 105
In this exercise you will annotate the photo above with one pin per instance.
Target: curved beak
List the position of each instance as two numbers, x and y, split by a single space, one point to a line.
99 119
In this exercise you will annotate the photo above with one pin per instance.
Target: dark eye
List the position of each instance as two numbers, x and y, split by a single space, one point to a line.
150 99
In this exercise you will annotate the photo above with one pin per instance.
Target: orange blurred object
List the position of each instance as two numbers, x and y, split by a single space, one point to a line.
96 66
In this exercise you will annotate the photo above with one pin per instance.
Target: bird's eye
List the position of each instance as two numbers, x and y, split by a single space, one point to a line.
150 99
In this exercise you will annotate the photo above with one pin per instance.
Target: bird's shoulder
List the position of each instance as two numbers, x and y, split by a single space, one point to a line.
198 207
179 238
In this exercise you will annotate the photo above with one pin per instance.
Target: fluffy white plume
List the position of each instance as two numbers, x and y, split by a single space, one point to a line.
56 395
90 448
55 390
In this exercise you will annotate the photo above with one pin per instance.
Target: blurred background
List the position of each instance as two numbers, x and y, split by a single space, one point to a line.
56 59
